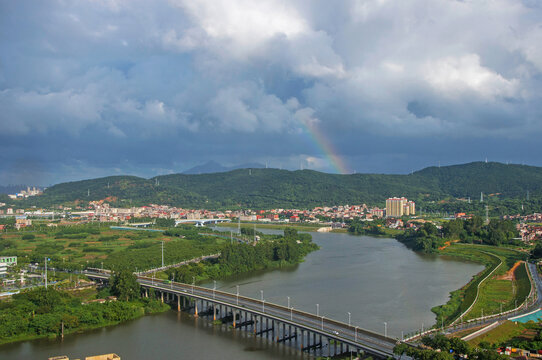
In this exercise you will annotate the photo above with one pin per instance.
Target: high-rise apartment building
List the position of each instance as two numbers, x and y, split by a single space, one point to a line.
397 207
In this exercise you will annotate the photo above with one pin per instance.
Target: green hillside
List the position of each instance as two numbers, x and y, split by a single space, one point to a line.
267 188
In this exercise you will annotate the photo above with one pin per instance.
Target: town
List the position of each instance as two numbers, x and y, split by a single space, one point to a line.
398 213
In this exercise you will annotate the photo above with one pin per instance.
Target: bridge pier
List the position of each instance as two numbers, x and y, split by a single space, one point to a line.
321 346
195 308
178 303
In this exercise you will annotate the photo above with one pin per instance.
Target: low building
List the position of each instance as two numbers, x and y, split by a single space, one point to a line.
96 357
8 260
103 357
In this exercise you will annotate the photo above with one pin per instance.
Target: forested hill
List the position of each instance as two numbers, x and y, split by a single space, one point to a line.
268 188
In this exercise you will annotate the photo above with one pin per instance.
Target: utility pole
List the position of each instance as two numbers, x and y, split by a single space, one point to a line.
487 214
162 254
45 272
481 197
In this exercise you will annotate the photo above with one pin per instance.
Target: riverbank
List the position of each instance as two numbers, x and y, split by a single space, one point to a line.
52 313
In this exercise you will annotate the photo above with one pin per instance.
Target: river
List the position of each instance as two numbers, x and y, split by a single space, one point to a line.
377 280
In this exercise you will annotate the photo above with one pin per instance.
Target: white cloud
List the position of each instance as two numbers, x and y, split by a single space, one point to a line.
454 75
243 22
247 108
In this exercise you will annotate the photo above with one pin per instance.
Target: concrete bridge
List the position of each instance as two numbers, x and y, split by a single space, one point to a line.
200 222
308 332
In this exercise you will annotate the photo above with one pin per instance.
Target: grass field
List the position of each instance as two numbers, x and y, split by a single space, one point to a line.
81 246
500 334
497 293
494 292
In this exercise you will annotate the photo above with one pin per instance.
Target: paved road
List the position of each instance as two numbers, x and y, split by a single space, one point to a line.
337 330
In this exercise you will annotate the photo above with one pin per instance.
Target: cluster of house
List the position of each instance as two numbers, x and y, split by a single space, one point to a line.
101 211
529 226
26 193
529 232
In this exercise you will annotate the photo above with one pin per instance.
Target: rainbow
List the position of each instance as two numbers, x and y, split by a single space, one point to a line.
326 147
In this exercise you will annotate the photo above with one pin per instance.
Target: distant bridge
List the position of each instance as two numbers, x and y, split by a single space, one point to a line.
200 222
307 331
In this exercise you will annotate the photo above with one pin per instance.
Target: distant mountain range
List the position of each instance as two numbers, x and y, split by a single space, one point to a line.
271 188
214 167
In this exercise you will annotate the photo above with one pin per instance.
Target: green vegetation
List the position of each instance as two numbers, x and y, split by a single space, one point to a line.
73 247
502 334
433 189
271 251
43 313
425 239
447 348
124 285
527 336
429 239
373 228
497 232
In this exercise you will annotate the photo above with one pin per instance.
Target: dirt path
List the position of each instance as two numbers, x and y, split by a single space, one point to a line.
447 243
510 273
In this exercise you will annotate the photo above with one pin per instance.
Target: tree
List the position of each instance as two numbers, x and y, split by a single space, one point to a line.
165 222
124 285
537 251
453 228
290 233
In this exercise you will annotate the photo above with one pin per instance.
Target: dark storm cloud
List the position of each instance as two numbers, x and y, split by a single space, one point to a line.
92 88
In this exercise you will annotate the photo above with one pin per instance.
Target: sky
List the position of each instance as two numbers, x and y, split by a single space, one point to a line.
92 88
